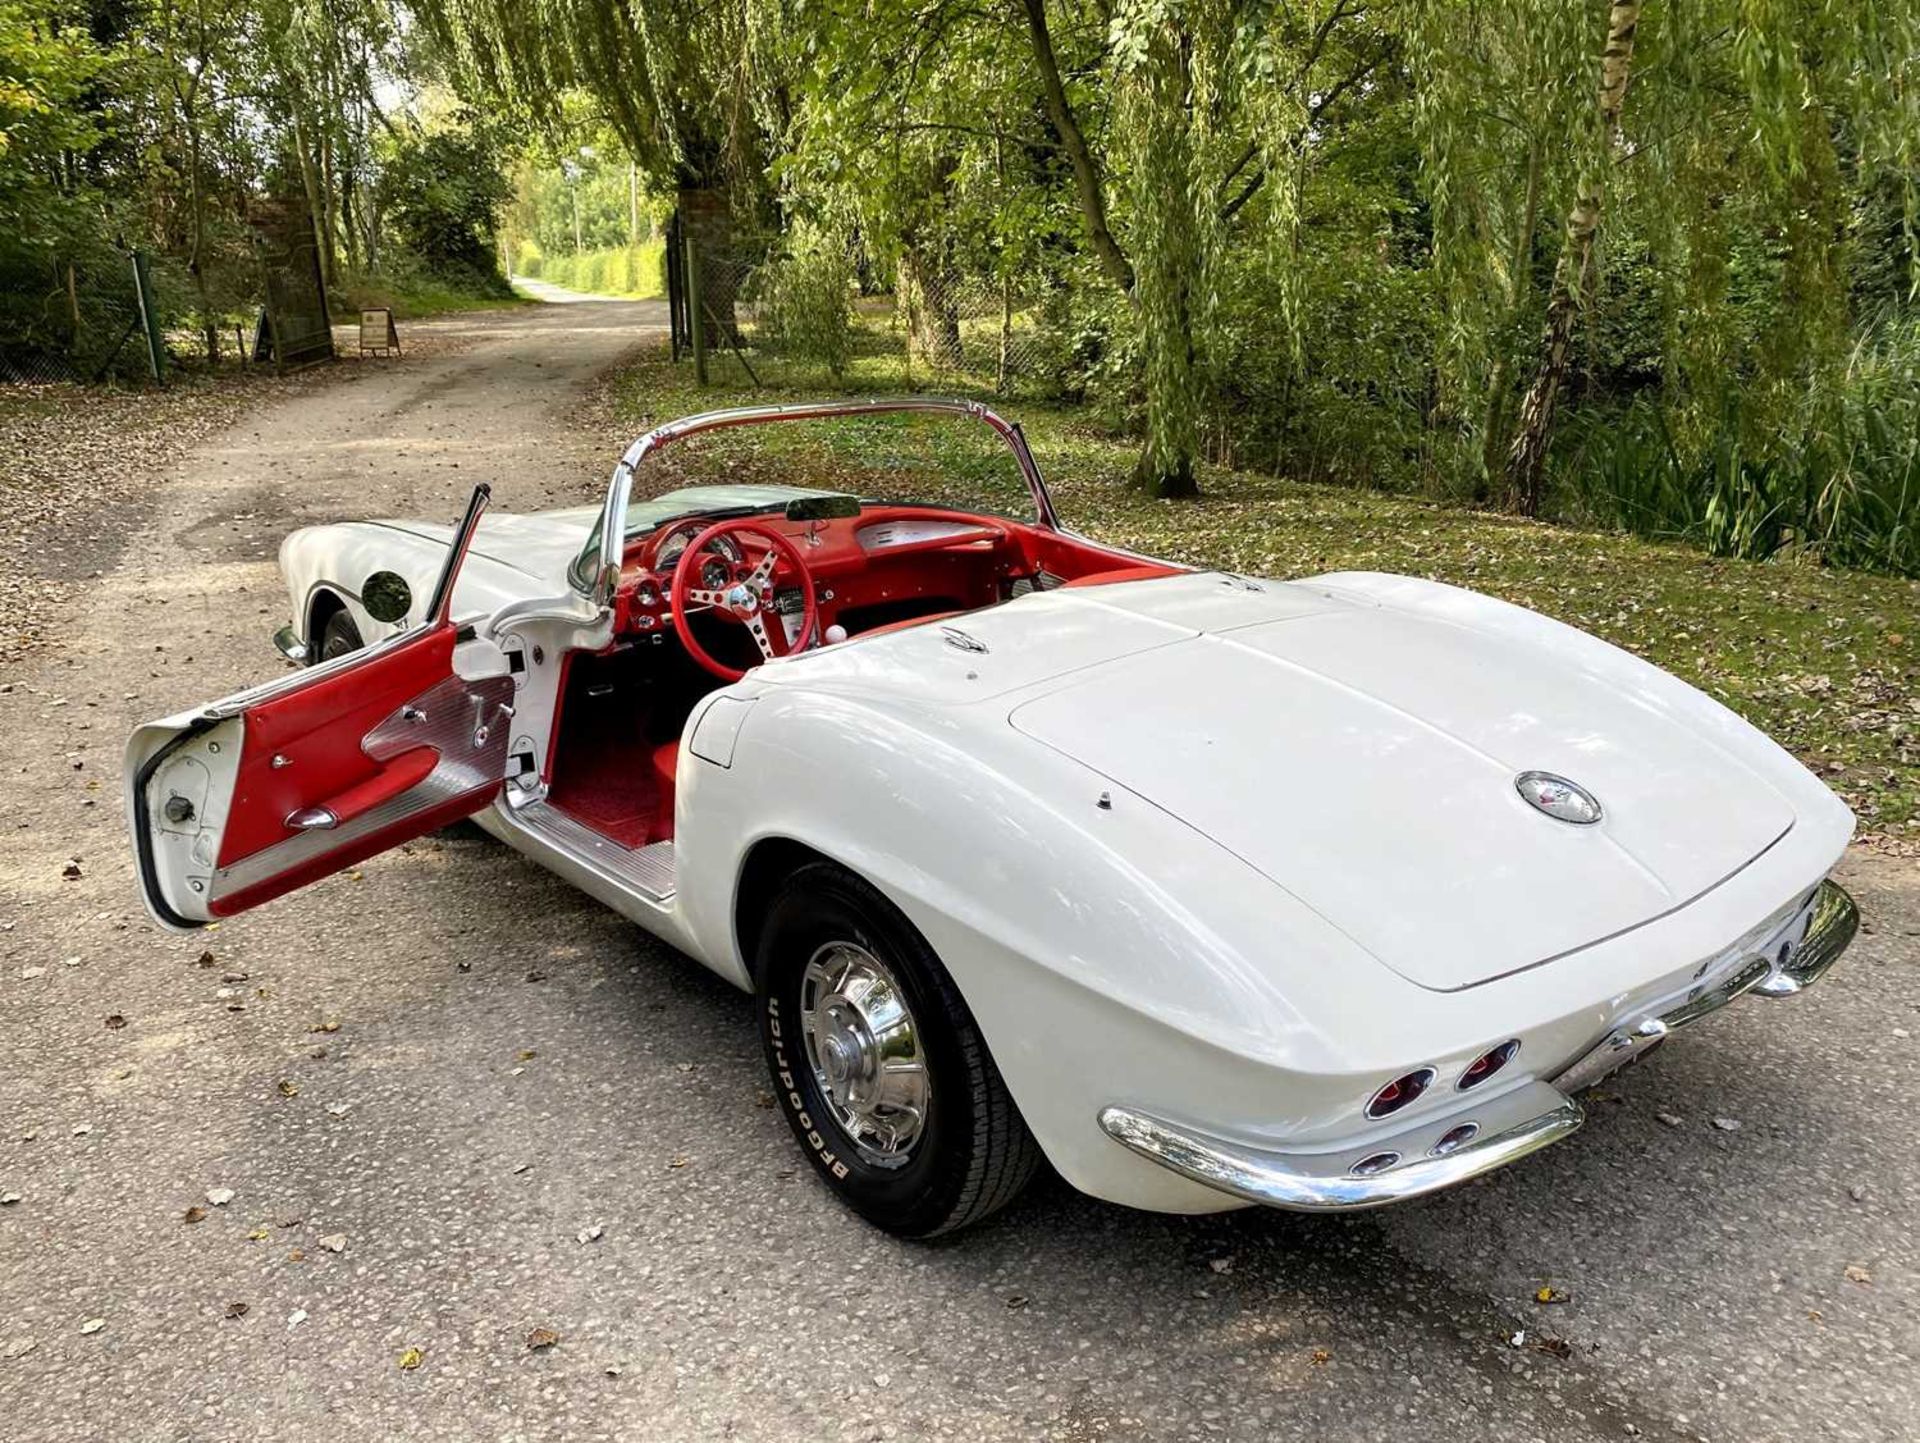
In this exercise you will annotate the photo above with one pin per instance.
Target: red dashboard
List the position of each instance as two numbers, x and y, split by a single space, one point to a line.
874 568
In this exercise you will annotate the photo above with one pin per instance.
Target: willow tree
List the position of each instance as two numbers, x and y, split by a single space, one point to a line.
1143 138
692 89
1542 125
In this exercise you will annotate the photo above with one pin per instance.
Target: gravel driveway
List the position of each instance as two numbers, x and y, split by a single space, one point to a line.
456 1102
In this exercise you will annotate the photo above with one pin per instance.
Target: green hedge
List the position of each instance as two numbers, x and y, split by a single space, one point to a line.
637 271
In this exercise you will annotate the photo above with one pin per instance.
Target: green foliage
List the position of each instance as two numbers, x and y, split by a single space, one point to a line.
805 299
635 271
441 190
1839 479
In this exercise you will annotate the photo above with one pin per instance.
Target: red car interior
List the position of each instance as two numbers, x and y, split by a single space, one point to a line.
616 741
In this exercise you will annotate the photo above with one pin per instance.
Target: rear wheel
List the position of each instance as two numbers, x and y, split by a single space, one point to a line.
338 637
878 1064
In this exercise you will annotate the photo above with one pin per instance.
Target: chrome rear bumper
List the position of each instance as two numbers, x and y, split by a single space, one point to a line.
1294 1181
1520 1121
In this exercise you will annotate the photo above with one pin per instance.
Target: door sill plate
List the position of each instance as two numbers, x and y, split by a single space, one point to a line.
648 870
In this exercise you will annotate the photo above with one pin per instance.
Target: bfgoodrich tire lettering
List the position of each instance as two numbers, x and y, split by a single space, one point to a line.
971 1154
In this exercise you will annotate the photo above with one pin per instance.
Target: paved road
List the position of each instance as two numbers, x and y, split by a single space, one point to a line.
556 295
512 1066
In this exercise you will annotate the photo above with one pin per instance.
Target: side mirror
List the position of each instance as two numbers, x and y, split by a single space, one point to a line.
387 597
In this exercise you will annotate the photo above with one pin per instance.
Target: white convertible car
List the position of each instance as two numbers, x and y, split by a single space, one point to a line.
1209 890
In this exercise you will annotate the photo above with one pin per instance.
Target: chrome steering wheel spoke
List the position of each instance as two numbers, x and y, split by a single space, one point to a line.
757 628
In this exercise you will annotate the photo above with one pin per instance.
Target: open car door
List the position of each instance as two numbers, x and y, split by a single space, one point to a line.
233 804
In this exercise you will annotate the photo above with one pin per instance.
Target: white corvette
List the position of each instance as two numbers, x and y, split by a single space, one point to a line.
1208 890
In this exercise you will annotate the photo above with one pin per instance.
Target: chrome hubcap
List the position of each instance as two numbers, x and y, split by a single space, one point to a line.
865 1052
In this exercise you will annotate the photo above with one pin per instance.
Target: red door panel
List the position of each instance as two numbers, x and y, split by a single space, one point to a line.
252 797
305 747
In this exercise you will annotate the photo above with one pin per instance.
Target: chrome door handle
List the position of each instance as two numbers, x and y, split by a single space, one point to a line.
313 819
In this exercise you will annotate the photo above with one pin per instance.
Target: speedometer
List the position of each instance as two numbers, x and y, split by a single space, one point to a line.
676 541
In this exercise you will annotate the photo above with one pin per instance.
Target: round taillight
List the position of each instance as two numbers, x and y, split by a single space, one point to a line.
1398 1093
1487 1063
1455 1138
1374 1163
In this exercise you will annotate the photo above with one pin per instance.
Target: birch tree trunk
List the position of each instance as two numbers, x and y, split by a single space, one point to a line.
1572 277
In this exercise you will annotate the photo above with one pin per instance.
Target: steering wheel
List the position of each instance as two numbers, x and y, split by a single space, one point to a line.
747 598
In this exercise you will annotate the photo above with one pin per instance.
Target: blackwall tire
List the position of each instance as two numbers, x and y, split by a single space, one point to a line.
969 1153
338 637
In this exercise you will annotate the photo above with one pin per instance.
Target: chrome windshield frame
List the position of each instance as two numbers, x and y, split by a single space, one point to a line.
612 529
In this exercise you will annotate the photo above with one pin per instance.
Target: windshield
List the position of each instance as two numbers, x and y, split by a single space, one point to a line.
947 458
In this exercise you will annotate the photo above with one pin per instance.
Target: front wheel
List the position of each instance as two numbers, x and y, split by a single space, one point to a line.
878 1064
338 637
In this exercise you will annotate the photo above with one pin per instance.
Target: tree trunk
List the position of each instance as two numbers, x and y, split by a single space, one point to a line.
1169 248
706 211
310 183
197 257
933 313
1493 430
1572 278
1086 175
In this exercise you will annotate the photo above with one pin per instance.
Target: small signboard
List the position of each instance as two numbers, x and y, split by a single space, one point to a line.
377 332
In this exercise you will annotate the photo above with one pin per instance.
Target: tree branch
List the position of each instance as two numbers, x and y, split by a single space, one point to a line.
1086 176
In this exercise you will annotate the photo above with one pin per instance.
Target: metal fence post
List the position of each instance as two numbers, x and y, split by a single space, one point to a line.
150 320
695 305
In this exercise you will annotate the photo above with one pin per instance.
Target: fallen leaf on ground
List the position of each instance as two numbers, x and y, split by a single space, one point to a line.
8 1199
334 1242
205 959
71 871
220 1196
1857 1274
81 1129
288 1088
237 1310
258 1235
1321 1355
1549 1295
592 1234
92 1326
296 1317
115 1022
193 1214
412 1359
542 1338
337 1109
1727 1124
332 1024
1668 1119
1556 1347
1221 1265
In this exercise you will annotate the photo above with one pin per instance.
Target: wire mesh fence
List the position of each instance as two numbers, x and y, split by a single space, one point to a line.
786 317
74 321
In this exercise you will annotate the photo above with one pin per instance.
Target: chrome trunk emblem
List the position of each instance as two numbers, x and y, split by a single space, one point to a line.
1559 798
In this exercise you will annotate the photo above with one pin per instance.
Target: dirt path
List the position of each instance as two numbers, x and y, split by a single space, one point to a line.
427 1080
